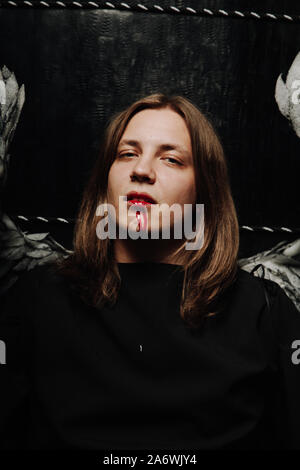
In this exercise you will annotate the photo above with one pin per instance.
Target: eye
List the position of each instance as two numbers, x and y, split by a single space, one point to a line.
174 161
127 154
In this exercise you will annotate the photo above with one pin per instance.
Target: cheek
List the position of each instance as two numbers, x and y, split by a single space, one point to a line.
192 192
186 191
112 183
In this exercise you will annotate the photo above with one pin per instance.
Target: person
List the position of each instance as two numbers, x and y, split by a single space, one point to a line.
140 342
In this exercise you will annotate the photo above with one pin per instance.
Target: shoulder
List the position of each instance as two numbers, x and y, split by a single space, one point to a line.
248 290
247 282
273 293
271 289
250 296
270 297
39 283
36 306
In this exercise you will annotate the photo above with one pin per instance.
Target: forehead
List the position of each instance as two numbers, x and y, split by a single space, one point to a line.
158 124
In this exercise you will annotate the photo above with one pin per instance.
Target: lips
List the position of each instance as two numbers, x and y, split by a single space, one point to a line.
139 203
140 198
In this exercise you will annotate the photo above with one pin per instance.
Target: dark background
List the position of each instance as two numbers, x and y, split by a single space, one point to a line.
80 66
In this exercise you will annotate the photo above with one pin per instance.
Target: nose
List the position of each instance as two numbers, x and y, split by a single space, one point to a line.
143 169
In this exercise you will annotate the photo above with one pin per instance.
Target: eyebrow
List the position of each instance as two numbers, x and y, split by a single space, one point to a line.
170 146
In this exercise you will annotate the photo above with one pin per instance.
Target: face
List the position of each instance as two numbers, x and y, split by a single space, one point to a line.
154 156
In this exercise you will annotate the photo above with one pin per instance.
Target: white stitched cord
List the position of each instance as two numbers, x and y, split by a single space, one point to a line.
239 13
244 227
208 11
191 10
270 15
142 7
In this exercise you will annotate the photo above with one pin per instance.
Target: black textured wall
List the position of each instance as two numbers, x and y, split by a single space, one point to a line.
81 65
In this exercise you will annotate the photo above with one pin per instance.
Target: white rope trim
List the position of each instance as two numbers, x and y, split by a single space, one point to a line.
243 227
255 14
143 7
150 9
247 227
191 9
208 11
271 16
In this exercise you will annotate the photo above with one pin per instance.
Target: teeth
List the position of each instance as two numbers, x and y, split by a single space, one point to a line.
147 201
140 200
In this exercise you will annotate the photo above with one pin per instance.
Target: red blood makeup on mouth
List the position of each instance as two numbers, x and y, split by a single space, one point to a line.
141 216
142 220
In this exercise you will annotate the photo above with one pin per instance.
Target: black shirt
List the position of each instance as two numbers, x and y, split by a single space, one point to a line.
134 376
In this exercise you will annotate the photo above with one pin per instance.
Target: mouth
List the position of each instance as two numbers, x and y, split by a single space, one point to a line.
140 199
138 203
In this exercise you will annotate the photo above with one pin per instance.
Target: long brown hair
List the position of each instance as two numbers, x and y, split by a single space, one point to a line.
208 272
